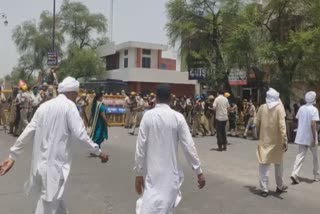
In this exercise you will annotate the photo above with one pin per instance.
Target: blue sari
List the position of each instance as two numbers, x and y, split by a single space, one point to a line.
99 131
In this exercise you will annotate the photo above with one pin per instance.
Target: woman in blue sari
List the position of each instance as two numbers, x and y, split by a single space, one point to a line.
99 124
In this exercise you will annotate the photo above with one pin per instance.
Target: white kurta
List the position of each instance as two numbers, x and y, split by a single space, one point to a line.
162 130
54 127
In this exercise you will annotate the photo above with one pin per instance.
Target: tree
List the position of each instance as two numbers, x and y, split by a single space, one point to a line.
292 44
202 28
279 39
81 63
85 30
34 41
81 25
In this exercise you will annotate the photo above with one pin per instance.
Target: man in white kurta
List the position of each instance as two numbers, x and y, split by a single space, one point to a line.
307 137
159 176
54 127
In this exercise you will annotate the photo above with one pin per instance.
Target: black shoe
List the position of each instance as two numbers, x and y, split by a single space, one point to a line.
264 194
219 149
224 149
282 190
294 180
131 133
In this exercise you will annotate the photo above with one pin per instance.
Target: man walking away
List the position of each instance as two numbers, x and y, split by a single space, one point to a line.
55 126
221 106
159 176
307 136
273 143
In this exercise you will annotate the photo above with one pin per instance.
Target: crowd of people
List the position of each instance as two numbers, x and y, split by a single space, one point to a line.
169 122
199 112
22 104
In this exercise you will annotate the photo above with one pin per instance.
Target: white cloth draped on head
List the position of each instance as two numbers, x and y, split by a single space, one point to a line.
273 98
310 97
69 84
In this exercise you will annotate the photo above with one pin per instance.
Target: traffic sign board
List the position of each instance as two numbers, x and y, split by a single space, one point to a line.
52 58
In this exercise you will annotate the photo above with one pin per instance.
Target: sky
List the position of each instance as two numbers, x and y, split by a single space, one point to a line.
134 20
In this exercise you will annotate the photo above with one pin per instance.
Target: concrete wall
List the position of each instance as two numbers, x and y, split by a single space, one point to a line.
149 75
171 64
121 59
154 59
177 89
132 57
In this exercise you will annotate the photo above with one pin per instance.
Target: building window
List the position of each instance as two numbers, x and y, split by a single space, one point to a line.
164 66
126 52
125 62
146 62
146 52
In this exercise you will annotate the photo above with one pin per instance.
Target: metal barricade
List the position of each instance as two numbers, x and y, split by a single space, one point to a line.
115 109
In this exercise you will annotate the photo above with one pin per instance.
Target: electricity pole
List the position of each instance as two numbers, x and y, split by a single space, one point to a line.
54 25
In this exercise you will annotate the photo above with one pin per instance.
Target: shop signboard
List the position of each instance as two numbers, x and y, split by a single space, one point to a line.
238 77
198 73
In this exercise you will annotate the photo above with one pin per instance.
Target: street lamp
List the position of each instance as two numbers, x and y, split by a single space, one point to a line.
4 16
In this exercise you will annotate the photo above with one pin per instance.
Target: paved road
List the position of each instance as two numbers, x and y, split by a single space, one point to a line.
232 177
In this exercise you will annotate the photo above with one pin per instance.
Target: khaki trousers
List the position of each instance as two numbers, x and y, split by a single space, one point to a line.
23 120
136 122
128 117
3 117
211 124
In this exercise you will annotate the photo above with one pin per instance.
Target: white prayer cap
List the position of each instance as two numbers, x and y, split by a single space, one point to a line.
273 98
69 84
310 97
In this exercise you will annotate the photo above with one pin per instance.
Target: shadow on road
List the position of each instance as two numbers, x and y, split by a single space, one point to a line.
256 191
306 180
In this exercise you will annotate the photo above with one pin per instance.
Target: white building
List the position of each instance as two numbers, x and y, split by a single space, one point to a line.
142 66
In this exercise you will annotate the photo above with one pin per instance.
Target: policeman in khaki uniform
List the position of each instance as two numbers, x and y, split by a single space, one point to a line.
139 114
199 122
23 102
133 109
127 108
2 106
251 123
210 115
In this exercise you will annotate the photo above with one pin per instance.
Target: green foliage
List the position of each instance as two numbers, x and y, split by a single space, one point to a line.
282 37
81 63
85 32
80 24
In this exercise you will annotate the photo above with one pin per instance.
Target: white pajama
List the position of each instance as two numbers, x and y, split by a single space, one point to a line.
264 170
52 207
300 158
